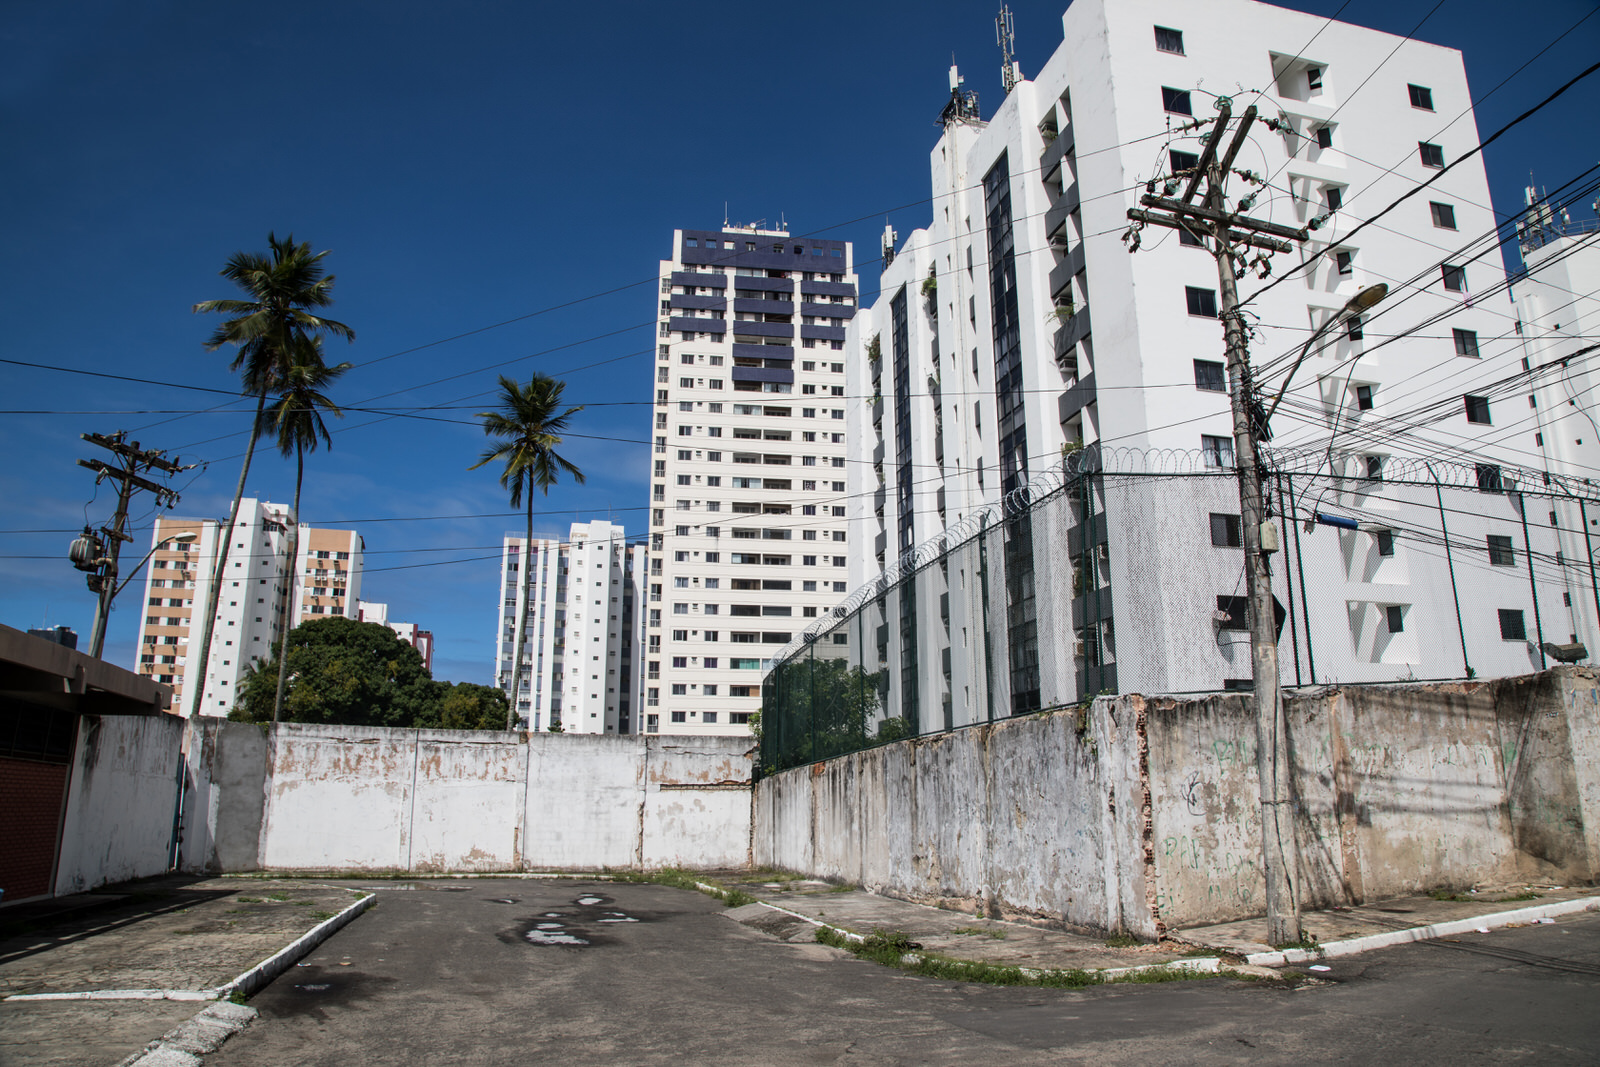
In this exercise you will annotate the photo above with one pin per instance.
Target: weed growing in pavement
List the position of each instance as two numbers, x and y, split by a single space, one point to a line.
1306 942
1121 941
1479 898
249 900
677 879
980 931
895 949
237 997
322 915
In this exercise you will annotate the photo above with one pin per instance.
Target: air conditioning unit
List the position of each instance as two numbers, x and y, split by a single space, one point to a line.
1079 650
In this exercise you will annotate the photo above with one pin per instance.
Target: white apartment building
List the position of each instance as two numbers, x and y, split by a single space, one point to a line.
1017 326
749 537
250 621
1558 317
584 629
409 632
327 574
178 592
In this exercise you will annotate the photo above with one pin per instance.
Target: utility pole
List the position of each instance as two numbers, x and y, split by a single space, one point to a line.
1231 233
99 557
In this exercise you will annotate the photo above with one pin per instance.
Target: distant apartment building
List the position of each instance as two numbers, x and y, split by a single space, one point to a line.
327 574
250 617
584 629
409 632
748 528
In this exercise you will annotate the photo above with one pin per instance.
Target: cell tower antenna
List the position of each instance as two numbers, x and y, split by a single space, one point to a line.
1005 36
724 214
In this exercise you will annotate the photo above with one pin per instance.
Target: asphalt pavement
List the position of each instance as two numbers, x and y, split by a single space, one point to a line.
518 971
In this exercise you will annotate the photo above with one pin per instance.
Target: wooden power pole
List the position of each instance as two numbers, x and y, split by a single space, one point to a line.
1230 233
101 561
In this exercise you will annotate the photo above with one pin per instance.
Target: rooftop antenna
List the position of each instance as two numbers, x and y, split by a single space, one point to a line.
963 103
1006 37
890 239
724 214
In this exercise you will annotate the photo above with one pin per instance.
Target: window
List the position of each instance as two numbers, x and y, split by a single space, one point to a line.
1208 375
1394 615
680 716
1421 97
1226 531
1344 262
1511 627
1466 343
1182 161
1234 613
1489 480
1501 554
1324 136
1477 408
1363 398
1374 465
1334 196
1432 155
1455 278
1201 301
1444 215
1352 327
680 689
1314 79
1169 40
1385 540
1176 101
1216 451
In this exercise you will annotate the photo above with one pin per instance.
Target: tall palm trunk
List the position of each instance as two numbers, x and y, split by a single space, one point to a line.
288 591
197 678
522 621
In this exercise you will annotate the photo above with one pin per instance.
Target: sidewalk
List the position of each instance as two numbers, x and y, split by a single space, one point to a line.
788 904
1346 931
94 979
792 907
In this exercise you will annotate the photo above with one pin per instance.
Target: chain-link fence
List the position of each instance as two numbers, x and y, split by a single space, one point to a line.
1123 572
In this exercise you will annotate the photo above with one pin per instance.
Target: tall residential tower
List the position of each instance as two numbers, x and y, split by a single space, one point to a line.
748 488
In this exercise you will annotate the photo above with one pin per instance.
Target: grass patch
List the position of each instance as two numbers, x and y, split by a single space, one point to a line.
775 874
1306 943
980 931
1479 898
1121 941
891 948
249 900
322 915
237 997
678 879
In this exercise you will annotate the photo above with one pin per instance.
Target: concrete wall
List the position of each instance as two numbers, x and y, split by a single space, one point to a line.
306 797
121 801
1141 814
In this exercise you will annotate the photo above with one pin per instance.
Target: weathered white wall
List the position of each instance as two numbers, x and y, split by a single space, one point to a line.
1142 813
121 801
358 798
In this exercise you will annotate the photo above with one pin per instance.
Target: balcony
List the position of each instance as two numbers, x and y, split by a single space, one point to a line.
744 351
1055 219
748 328
713 303
1072 331
707 280
829 311
1054 152
698 325
1061 274
1079 395
759 307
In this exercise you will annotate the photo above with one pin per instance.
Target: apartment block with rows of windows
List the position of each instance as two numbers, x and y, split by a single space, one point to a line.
749 537
580 659
1018 326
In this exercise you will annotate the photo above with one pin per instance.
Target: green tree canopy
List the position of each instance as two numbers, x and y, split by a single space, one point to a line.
348 673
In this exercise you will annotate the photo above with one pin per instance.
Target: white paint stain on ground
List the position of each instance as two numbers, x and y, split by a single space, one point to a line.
550 937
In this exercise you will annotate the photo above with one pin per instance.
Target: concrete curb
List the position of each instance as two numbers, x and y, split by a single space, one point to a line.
186 1043
286 957
1197 964
1354 945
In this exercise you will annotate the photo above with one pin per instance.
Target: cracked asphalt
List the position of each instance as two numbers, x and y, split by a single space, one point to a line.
447 972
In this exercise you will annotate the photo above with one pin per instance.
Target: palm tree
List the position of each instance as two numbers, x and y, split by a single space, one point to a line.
296 418
528 431
268 328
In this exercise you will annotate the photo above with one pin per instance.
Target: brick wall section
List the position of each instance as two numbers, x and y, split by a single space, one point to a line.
30 800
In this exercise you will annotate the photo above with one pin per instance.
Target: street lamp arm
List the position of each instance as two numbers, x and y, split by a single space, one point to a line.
1363 300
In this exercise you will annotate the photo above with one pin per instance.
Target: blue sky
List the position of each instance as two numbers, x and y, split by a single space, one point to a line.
496 182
